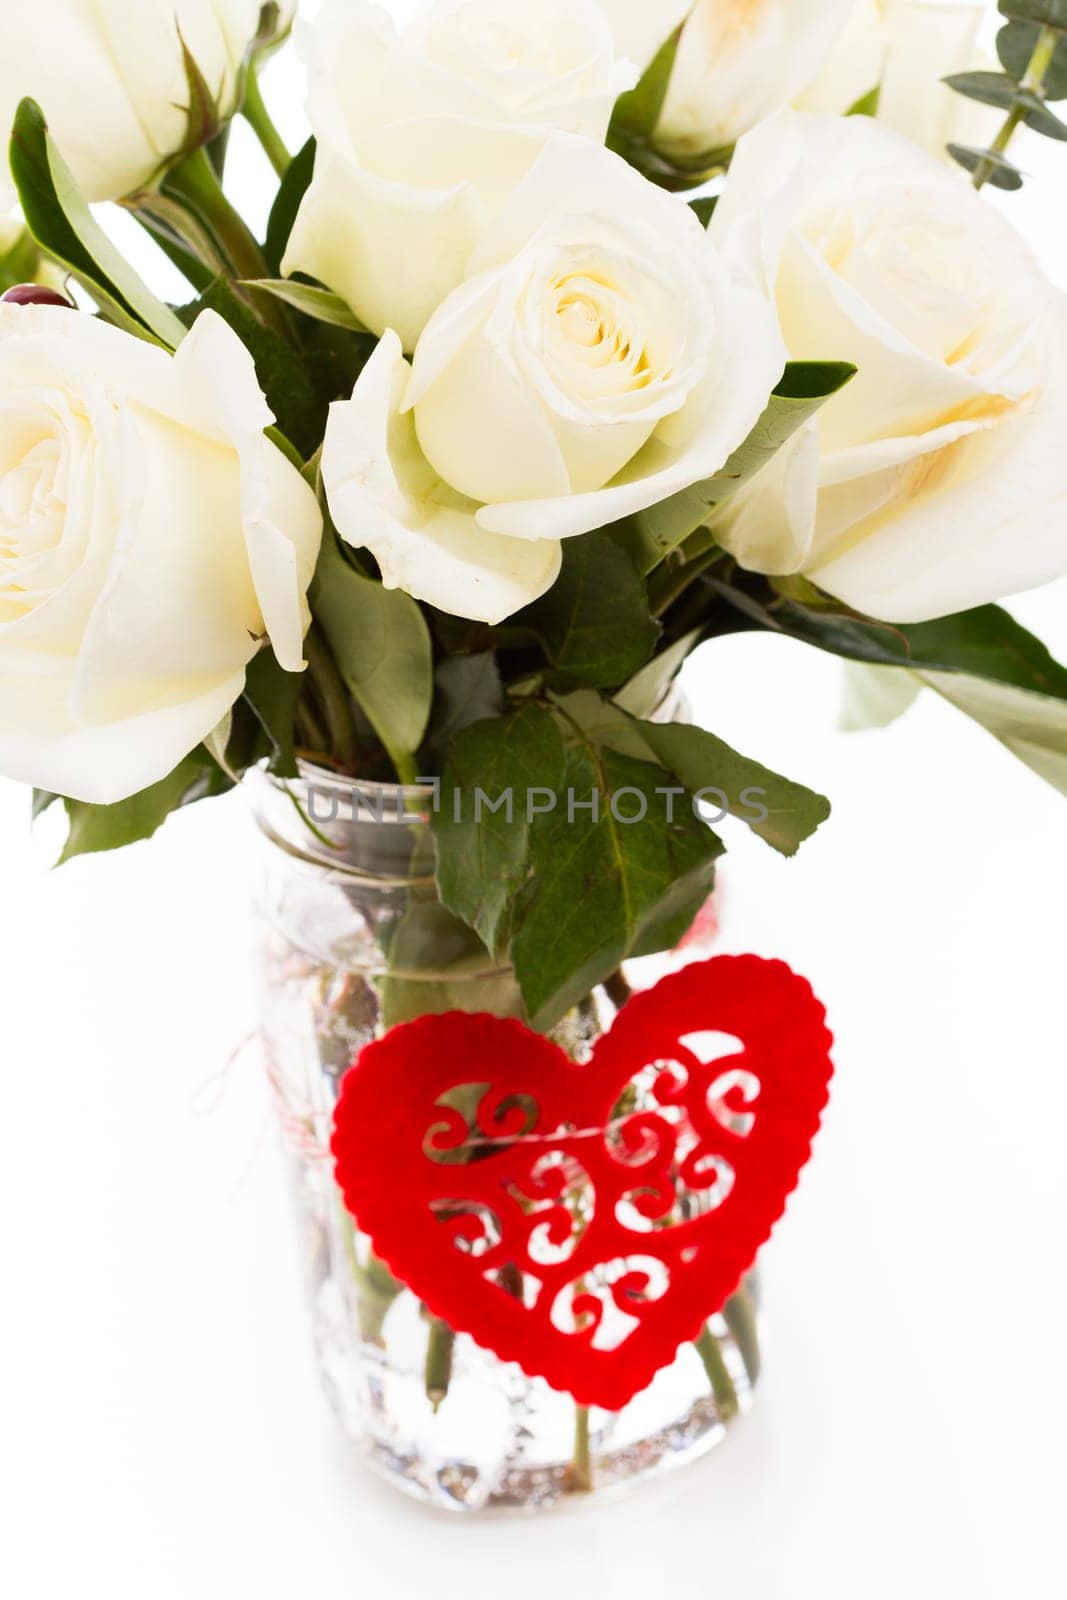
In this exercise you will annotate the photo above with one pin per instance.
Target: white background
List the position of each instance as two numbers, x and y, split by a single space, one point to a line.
161 1431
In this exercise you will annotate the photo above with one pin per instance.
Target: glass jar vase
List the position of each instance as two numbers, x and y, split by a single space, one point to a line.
352 940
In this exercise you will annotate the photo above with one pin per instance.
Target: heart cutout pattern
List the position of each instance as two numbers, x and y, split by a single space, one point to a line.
585 1221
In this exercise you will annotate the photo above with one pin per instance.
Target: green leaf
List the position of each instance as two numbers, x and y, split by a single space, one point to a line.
638 111
984 643
602 890
98 828
469 690
805 387
988 88
782 813
1046 13
155 214
1016 44
1037 115
273 695
996 89
867 105
295 185
645 693
20 264
43 800
382 647
318 304
704 208
274 27
62 224
204 116
483 855
1003 173
876 697
1032 726
284 378
594 624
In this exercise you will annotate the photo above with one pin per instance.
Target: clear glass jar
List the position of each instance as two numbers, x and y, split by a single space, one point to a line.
352 940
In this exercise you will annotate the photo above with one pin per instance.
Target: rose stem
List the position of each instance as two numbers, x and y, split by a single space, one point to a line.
333 697
707 1348
617 989
440 1348
196 183
740 1317
1034 80
582 1462
260 121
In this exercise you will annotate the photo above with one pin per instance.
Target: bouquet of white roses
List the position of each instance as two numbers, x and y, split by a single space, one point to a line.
581 334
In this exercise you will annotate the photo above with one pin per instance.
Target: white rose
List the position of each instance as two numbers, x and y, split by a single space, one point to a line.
150 537
423 135
934 481
852 68
110 77
597 359
926 43
740 60
904 49
642 27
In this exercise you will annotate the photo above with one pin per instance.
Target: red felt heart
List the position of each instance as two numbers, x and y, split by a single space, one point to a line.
586 1220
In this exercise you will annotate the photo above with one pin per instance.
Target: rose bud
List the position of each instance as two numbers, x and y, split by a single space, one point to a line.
35 294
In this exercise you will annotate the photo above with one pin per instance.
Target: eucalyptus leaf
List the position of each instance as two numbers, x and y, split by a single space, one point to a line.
649 536
997 89
1046 13
63 225
1003 174
1015 46
483 847
604 890
382 647
988 88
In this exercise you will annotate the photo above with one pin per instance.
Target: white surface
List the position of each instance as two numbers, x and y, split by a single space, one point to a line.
161 1431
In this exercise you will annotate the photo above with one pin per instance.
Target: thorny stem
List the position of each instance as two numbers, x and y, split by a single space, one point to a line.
1036 72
